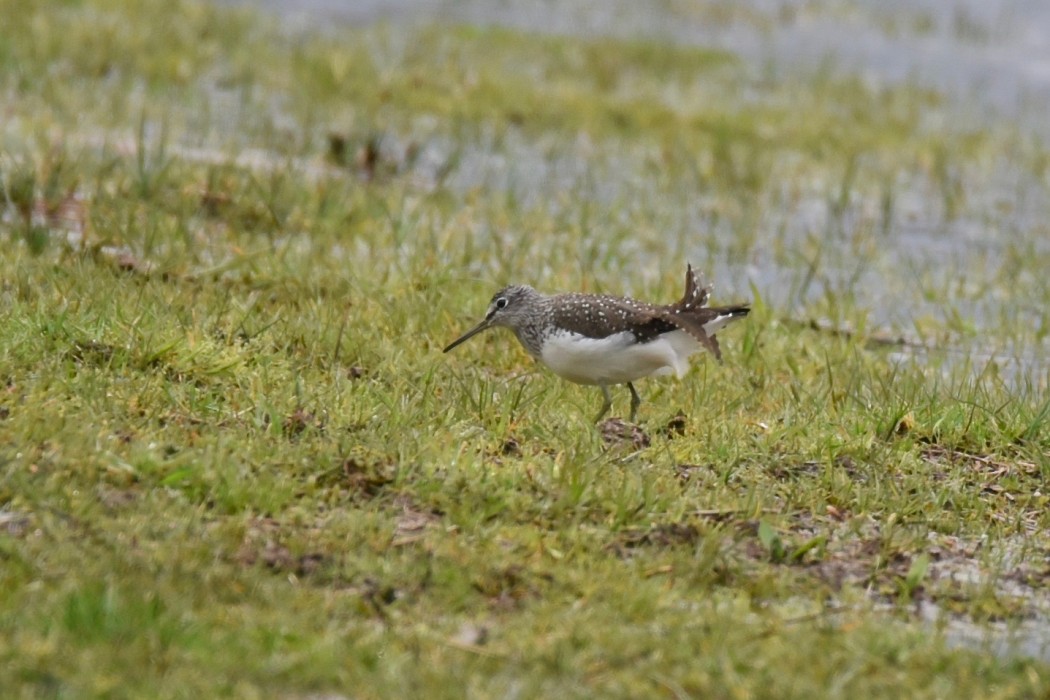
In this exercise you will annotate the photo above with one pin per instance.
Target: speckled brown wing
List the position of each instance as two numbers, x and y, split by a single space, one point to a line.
599 316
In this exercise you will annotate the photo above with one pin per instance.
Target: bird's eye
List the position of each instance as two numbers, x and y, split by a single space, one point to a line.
501 303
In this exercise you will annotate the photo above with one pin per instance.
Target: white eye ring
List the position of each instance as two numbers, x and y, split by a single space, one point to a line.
501 303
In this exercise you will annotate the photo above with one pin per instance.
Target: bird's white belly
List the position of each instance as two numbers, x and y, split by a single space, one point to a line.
616 359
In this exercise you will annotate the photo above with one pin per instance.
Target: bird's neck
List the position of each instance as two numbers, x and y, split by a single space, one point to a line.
534 330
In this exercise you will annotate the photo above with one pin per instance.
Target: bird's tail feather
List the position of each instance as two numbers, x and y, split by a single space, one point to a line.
701 322
696 293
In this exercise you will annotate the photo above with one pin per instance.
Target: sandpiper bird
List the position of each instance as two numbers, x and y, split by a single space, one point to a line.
604 340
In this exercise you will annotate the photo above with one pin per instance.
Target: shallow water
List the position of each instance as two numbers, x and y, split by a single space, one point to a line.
996 52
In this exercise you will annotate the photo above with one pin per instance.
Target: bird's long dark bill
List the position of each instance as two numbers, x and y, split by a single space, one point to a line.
468 335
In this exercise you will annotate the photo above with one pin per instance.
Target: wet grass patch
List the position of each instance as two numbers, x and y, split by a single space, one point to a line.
236 461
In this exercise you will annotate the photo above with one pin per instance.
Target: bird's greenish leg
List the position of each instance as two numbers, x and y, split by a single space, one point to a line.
636 400
606 403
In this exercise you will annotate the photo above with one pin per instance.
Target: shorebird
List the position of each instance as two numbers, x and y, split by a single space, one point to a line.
603 340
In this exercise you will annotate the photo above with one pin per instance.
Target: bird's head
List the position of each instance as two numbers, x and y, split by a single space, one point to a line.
511 307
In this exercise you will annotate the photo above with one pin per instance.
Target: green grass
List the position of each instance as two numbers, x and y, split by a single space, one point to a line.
235 461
